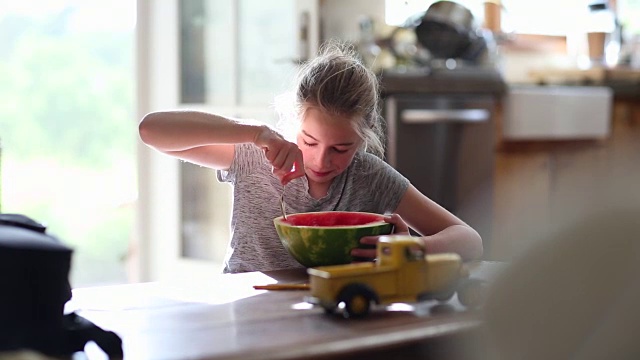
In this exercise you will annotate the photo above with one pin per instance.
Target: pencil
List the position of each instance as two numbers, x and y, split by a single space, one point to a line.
282 287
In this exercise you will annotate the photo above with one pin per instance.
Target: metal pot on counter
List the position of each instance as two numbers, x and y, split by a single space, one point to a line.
447 30
452 14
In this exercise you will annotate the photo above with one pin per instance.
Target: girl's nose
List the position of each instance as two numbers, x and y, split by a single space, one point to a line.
325 158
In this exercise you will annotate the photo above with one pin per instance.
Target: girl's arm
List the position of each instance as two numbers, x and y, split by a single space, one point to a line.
441 230
208 140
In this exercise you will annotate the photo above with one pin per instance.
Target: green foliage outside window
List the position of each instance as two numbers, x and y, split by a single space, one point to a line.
68 132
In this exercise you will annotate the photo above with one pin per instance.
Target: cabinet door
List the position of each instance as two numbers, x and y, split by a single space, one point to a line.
230 57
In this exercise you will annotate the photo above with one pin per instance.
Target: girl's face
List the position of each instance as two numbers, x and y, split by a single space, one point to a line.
328 144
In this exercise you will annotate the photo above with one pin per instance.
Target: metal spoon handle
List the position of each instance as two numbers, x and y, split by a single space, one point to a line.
284 213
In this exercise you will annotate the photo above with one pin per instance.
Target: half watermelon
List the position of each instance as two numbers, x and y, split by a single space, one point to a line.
326 238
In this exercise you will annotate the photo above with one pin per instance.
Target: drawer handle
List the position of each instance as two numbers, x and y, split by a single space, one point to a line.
435 116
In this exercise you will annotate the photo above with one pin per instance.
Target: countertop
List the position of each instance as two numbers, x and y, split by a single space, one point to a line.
594 74
623 80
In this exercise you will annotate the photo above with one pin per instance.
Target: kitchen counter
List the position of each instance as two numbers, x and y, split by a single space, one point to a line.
478 80
227 319
624 81
596 75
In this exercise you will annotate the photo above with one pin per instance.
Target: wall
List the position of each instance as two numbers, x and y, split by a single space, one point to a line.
339 18
519 54
515 65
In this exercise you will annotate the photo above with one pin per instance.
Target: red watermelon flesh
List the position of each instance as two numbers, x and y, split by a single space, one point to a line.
333 218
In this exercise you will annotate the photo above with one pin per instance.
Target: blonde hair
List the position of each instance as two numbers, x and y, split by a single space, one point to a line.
338 83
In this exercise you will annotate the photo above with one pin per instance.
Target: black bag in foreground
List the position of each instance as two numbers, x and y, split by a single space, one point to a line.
34 287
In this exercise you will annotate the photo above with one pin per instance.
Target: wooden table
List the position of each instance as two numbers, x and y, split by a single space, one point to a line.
228 319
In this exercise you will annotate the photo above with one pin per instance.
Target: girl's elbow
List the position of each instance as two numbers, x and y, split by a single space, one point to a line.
475 249
477 252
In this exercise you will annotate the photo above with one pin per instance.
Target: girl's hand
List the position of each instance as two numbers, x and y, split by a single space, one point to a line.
284 156
370 242
399 226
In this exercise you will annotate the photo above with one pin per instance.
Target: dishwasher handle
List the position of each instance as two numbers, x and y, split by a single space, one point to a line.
422 116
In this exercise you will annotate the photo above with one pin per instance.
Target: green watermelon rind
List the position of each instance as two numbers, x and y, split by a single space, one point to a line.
315 246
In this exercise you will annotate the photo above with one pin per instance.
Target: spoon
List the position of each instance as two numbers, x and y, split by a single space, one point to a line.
284 214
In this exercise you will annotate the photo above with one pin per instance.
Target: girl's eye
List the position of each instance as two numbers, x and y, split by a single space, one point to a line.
340 151
308 144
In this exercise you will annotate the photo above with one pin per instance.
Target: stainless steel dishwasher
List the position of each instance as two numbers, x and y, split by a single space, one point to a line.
444 144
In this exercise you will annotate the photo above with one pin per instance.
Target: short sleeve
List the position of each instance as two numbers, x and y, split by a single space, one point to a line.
246 158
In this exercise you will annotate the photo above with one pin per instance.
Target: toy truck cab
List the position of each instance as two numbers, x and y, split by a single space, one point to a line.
401 273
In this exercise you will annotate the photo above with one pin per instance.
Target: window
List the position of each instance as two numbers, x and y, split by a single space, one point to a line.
414 253
544 17
67 126
629 13
386 250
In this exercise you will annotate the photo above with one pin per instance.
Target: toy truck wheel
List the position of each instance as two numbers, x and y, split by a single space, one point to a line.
444 295
329 309
357 300
472 293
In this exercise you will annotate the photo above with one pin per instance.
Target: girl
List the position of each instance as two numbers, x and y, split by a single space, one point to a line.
334 164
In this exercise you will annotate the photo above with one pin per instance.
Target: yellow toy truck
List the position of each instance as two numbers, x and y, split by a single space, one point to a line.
401 273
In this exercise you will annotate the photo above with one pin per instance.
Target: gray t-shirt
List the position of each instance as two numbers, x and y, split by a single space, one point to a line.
368 184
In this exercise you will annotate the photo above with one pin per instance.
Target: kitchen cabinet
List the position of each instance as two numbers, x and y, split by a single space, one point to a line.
539 188
230 57
521 200
557 112
624 81
543 186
